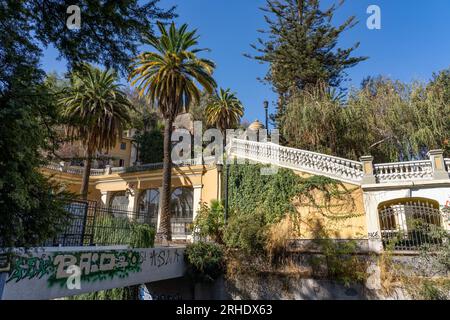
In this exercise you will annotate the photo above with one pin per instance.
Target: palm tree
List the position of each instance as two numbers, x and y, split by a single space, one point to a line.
224 111
96 111
168 78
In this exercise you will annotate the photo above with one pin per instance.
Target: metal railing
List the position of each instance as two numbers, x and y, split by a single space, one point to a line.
95 224
136 168
410 225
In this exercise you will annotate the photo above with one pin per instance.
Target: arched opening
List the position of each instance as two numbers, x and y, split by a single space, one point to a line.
119 200
409 223
148 206
182 210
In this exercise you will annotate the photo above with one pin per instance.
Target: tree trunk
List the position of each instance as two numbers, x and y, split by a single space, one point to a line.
86 174
164 232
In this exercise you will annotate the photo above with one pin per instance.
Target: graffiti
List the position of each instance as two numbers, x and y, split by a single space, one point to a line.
94 266
373 235
31 267
163 257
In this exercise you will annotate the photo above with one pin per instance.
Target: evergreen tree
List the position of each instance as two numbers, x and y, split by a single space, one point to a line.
30 209
301 48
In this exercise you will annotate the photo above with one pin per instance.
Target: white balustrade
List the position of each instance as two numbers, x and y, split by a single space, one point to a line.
447 164
408 170
308 161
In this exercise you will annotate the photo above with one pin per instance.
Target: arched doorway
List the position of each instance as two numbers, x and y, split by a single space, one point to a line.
119 200
182 210
409 223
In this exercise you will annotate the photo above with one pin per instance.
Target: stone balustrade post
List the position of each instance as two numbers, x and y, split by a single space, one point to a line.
367 164
437 164
108 169
63 166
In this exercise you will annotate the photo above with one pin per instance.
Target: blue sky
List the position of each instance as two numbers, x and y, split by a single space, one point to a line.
412 44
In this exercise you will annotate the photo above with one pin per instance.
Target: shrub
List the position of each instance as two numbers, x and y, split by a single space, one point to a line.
246 232
121 231
342 262
205 261
142 236
209 222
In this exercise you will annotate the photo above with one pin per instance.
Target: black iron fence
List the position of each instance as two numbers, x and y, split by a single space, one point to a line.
94 224
410 225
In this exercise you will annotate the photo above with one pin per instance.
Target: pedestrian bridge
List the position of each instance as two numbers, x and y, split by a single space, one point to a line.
54 272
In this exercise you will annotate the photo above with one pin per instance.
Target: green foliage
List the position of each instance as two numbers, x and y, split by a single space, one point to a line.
301 47
390 120
258 201
209 222
431 290
341 260
122 231
142 236
224 110
151 145
175 62
169 77
126 293
205 261
109 35
113 230
426 276
29 206
247 232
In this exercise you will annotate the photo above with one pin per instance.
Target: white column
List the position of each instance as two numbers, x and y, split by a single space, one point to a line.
133 196
197 199
373 224
106 195
133 155
159 208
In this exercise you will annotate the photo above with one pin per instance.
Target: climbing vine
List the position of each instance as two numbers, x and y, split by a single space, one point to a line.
258 202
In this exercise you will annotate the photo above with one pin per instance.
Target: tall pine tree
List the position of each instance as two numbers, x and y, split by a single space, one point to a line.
301 48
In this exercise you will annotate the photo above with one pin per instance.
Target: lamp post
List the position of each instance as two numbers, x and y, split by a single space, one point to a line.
227 177
219 181
266 109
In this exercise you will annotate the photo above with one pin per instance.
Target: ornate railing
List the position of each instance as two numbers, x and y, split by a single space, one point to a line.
136 168
408 225
312 162
447 164
397 171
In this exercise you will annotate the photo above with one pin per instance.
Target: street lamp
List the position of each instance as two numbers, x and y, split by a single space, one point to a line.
227 178
266 109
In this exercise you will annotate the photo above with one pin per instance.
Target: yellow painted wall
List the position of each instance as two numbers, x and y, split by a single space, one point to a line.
118 153
210 186
342 218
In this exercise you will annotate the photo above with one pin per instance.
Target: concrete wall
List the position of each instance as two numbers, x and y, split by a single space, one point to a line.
43 273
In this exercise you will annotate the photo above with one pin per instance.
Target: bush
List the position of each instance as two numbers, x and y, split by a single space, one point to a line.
246 232
142 236
205 261
151 146
341 261
121 231
209 222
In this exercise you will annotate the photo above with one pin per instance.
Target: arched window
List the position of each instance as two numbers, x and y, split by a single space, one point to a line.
408 223
119 200
181 203
149 205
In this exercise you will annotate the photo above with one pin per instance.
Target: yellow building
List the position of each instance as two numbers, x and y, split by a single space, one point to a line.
382 198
